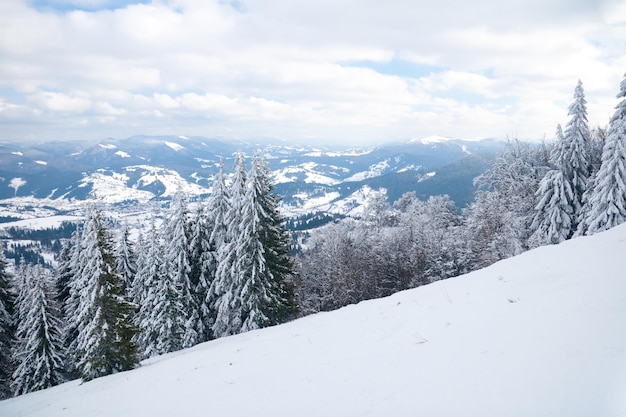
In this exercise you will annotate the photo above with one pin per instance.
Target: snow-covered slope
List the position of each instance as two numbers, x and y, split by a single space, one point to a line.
541 334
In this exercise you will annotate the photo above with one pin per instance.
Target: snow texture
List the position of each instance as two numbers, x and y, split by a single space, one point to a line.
540 334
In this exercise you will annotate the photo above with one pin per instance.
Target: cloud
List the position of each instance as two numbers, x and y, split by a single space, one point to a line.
60 102
327 70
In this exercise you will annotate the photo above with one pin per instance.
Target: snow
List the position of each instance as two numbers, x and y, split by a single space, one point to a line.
114 188
107 146
318 153
40 223
122 154
174 146
312 204
430 139
18 153
312 173
16 183
540 334
169 178
41 162
427 176
374 170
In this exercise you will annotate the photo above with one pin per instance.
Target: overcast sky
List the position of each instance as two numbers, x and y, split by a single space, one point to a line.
352 71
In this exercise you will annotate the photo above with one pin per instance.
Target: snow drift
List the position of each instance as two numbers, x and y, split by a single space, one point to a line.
541 334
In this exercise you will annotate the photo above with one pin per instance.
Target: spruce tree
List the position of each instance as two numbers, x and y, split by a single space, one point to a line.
216 212
607 200
39 344
202 270
126 261
554 221
576 158
226 287
150 271
178 268
561 193
68 281
103 320
252 283
278 303
7 303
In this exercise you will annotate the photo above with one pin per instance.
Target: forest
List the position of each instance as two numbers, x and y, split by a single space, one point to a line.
227 266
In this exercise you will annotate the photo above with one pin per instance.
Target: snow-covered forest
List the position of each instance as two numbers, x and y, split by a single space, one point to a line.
225 268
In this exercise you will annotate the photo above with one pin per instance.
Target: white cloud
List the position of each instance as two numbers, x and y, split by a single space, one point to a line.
291 69
61 102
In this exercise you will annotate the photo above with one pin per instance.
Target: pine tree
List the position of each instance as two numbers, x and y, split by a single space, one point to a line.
215 225
67 285
178 268
226 288
265 268
126 262
576 159
555 217
103 314
7 302
202 260
39 346
150 271
607 199
561 191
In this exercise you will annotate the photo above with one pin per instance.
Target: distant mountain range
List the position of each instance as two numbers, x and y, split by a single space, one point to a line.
60 176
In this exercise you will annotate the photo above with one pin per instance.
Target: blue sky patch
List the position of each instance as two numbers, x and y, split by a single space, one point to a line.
83 5
398 67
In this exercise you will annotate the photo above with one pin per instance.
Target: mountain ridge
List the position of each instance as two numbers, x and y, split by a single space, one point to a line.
149 168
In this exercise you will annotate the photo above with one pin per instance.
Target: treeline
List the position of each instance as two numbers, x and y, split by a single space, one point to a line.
218 271
36 242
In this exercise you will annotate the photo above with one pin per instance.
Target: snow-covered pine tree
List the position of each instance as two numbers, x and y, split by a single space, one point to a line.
262 254
554 219
556 209
150 271
7 328
178 268
39 345
103 314
126 258
216 215
225 289
68 280
576 159
202 260
607 200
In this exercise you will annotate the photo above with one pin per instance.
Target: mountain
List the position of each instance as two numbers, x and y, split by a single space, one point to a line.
141 169
540 334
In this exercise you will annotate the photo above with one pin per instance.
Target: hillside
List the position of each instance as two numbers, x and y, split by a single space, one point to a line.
541 334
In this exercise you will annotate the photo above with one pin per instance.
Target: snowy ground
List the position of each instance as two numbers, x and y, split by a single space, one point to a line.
542 334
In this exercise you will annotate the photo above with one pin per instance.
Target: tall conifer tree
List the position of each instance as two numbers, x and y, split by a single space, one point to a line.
576 162
103 320
39 345
607 200
226 287
178 267
7 302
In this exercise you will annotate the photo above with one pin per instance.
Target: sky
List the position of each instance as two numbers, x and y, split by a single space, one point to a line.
322 71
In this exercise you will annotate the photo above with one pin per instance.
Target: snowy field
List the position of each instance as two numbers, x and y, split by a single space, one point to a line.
541 334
